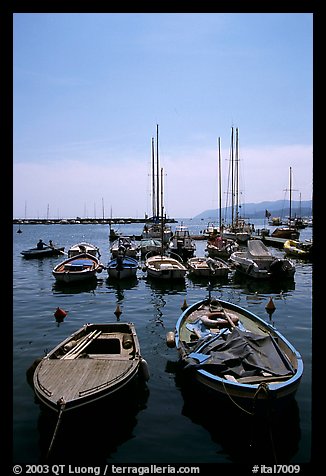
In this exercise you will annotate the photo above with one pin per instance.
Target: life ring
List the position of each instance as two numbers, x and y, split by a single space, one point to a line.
213 323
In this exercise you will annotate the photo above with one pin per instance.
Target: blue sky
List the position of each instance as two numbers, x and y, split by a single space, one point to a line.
90 88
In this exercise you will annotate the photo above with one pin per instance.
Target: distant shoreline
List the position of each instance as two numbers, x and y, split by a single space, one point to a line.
84 221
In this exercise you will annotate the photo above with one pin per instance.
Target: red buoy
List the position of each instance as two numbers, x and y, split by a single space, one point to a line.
60 313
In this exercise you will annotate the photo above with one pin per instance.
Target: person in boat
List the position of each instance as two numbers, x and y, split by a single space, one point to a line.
51 244
40 245
120 257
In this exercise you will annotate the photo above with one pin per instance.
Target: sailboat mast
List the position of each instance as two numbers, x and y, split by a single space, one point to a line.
158 176
236 176
219 185
290 208
153 181
232 177
162 215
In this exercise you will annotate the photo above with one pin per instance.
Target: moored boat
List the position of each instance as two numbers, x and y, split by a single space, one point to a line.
258 262
129 244
207 267
232 351
181 243
122 267
164 267
150 245
83 247
94 362
298 249
78 268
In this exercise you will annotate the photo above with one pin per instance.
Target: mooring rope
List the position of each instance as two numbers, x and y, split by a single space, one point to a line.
62 404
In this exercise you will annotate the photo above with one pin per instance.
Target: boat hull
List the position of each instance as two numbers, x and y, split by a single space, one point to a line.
79 268
35 253
126 269
165 268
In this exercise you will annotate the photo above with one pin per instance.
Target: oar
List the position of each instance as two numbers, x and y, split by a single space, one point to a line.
57 249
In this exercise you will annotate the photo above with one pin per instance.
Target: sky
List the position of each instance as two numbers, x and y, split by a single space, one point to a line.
90 89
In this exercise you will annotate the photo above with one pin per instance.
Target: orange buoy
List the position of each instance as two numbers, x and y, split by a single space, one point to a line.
184 305
270 306
60 313
118 311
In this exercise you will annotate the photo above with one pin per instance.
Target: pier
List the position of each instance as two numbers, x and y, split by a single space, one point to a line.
85 221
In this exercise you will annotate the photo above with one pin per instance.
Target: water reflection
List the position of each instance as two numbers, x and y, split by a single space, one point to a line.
92 434
269 438
86 286
249 285
120 286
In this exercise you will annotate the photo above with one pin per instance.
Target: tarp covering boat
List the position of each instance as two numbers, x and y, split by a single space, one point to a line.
241 354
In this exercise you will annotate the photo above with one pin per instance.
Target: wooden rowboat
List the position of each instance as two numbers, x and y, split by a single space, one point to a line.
78 268
235 353
94 362
208 267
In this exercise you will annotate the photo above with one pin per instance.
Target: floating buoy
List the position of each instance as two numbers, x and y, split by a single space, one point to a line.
118 311
170 339
270 306
184 305
60 313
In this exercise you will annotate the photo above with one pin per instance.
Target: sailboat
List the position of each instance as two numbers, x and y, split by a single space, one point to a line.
153 229
160 266
288 231
218 245
238 230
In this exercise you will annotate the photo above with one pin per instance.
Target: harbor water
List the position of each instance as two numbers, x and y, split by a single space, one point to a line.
166 422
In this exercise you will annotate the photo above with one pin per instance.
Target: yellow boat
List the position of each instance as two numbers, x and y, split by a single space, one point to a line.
299 249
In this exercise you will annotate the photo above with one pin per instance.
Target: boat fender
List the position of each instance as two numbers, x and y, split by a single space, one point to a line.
143 369
170 339
99 269
219 322
127 341
69 345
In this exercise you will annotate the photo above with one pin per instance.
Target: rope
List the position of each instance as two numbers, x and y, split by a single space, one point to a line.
62 404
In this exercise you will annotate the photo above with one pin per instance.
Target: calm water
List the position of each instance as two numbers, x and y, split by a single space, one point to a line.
166 422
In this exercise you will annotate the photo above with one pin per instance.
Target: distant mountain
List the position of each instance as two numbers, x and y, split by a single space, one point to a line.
278 208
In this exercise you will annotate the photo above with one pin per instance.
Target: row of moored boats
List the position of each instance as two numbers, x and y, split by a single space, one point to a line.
223 346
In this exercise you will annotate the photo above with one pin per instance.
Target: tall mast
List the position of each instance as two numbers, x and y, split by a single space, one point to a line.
158 176
162 215
153 181
219 185
232 178
236 175
290 210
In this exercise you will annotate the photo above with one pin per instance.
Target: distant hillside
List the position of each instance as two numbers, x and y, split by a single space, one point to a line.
278 208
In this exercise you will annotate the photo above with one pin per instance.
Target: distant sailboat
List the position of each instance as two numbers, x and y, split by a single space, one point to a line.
288 231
